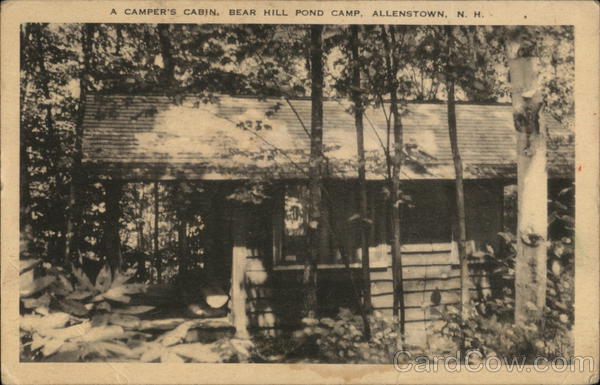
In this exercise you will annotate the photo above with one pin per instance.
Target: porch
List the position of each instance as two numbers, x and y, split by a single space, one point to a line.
239 263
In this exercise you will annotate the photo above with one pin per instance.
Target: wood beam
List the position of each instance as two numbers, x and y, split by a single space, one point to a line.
238 274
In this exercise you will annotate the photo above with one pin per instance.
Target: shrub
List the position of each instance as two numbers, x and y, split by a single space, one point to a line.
340 339
65 317
489 327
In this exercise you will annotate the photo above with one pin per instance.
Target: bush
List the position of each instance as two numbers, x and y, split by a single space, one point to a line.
489 327
65 317
340 339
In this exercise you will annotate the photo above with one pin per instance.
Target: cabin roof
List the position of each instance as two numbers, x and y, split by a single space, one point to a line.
190 137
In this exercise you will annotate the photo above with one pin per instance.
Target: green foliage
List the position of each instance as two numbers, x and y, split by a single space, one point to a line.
489 327
70 314
340 339
492 336
66 317
270 60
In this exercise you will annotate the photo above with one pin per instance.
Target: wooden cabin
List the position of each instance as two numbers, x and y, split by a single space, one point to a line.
230 143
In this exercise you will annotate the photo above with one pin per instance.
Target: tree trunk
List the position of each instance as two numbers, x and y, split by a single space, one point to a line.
458 185
396 160
52 149
182 212
141 269
532 177
25 229
74 206
182 245
157 256
112 240
362 179
166 51
315 221
141 273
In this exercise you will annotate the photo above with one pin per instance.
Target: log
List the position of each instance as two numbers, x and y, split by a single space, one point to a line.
171 323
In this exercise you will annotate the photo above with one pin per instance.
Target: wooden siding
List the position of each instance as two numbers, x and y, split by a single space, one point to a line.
274 292
274 297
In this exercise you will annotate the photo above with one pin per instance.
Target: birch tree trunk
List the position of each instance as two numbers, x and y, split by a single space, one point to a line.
532 178
315 221
362 178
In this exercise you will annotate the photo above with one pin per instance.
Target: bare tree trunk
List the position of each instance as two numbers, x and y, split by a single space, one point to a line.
458 171
52 145
74 206
182 243
141 269
315 221
397 160
166 51
182 216
362 178
532 176
139 223
112 240
25 229
157 256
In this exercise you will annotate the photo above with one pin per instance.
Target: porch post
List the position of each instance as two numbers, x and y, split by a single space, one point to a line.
238 273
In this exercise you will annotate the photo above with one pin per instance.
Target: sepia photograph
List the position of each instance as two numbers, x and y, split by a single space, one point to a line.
299 192
303 193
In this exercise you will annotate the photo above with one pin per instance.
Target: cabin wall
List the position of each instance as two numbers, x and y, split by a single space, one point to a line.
430 263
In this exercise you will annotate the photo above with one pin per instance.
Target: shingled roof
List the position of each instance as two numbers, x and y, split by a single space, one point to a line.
190 137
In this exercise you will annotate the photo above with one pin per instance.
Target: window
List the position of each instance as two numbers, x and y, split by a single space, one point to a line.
429 221
341 238
295 223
